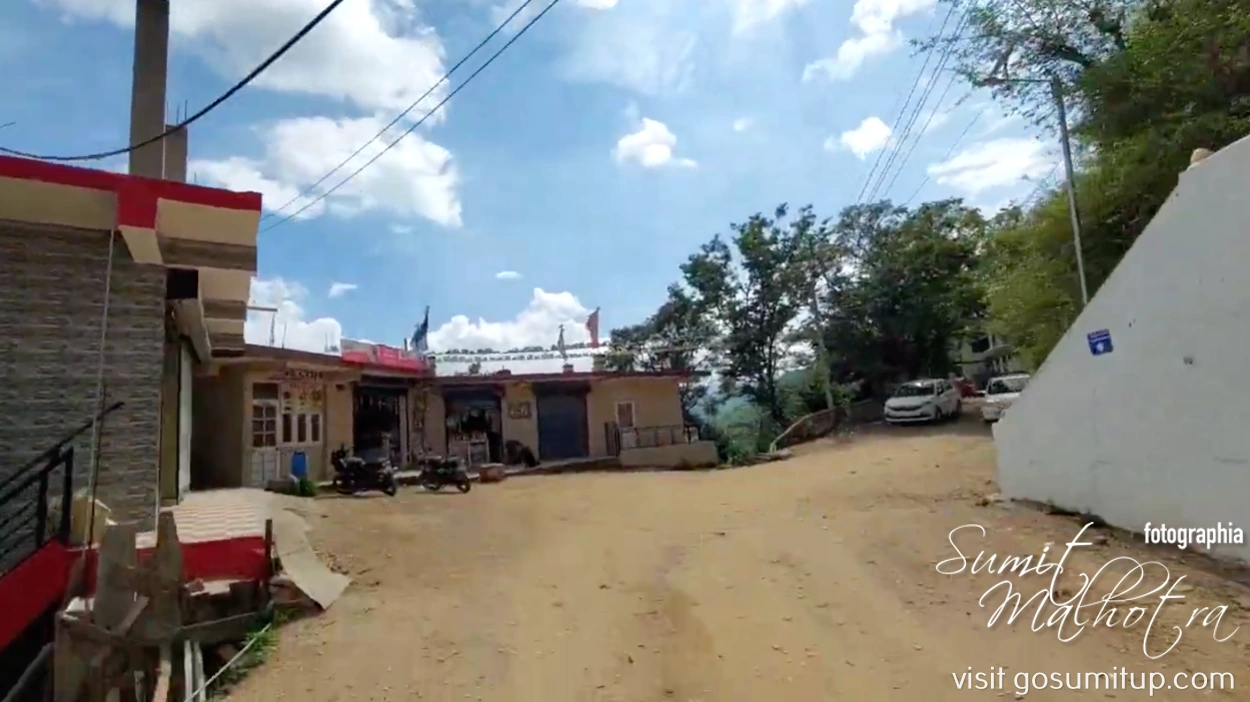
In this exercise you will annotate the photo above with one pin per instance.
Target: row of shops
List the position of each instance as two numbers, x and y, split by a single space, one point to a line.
254 413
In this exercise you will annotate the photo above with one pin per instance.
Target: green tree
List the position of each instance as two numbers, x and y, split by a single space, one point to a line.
913 290
676 337
752 293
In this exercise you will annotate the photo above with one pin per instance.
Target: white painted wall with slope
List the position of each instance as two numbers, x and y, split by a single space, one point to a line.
1158 430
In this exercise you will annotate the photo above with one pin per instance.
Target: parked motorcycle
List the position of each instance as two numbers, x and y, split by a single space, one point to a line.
371 471
439 472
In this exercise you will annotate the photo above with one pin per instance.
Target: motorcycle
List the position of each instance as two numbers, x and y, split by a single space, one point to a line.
372 471
439 472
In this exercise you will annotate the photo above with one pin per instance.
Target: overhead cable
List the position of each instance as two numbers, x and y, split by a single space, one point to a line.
899 120
401 115
915 114
958 140
243 83
419 122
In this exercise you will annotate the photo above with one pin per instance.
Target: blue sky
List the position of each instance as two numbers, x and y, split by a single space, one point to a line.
584 165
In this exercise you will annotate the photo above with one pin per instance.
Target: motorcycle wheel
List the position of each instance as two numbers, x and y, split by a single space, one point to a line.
464 486
432 486
343 488
391 487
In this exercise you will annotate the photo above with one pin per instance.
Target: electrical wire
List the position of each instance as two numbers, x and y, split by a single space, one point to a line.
959 139
898 120
924 129
915 114
401 115
243 83
521 32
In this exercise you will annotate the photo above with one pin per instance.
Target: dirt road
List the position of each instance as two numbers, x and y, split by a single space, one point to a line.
811 579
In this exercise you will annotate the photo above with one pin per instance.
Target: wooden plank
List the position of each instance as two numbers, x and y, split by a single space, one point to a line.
166 573
113 599
164 675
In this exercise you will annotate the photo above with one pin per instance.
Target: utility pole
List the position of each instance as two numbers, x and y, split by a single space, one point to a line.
1056 90
822 353
1065 139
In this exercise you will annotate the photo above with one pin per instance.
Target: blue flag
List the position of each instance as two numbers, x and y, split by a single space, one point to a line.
420 337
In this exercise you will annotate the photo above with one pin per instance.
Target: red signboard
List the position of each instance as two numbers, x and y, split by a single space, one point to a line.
383 356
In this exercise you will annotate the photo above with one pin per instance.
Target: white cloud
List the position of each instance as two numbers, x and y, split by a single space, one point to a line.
401 229
416 177
536 325
875 34
749 13
743 123
288 327
501 11
507 275
651 146
376 54
340 289
871 135
993 164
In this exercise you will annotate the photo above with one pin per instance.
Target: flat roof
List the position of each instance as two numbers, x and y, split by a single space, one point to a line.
556 377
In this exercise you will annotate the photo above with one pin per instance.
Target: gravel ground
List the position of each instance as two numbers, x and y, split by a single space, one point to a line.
809 579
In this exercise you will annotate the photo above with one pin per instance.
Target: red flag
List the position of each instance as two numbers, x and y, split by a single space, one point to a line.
592 326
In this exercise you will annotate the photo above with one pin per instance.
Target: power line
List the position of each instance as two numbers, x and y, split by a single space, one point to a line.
401 115
911 122
264 65
916 139
976 118
898 120
419 122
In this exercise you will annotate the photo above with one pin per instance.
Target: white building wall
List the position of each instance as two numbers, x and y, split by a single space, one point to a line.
1158 430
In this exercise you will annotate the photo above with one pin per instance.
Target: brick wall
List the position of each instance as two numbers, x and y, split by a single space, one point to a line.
51 301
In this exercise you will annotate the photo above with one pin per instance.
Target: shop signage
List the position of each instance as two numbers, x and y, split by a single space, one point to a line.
366 354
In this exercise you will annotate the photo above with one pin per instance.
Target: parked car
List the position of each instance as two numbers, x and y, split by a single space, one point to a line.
927 400
1000 392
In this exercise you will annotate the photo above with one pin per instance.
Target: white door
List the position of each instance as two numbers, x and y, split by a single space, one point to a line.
265 458
625 423
184 421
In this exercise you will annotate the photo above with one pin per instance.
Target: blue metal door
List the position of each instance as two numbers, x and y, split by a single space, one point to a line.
562 431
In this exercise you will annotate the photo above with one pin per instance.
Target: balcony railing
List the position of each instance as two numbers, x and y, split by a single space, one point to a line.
25 520
623 439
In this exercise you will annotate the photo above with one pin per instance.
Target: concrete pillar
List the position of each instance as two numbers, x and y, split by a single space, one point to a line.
147 97
176 154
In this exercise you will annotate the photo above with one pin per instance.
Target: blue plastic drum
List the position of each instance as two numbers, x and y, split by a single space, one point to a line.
299 465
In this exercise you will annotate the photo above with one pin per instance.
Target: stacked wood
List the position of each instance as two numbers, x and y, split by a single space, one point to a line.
139 638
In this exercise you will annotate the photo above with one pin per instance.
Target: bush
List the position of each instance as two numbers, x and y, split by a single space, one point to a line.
306 488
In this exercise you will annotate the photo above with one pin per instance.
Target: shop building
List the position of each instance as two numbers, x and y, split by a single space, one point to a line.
636 417
112 289
259 411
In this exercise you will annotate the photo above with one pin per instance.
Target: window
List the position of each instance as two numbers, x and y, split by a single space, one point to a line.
300 428
980 345
264 424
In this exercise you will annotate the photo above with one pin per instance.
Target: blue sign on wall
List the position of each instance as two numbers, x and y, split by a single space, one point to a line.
1100 342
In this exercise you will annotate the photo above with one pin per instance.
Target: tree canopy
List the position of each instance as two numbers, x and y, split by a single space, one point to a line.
891 290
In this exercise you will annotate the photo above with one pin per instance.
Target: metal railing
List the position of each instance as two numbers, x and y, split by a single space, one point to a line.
623 439
25 519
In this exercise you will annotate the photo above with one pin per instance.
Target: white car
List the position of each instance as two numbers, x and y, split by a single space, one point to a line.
1000 393
923 401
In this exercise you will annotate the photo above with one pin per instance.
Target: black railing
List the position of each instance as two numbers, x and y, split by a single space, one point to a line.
622 439
25 522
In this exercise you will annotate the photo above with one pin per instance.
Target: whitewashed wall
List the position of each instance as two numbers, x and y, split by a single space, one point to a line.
1158 430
